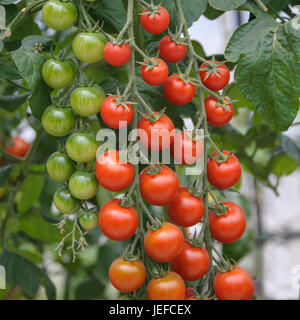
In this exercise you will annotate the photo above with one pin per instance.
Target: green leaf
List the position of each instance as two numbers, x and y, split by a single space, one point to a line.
89 290
8 70
4 173
35 41
269 73
283 165
20 271
40 99
197 46
5 2
28 27
30 191
235 93
291 147
212 13
13 102
226 5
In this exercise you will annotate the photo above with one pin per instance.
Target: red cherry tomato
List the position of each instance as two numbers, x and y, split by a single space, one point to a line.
157 135
192 263
185 210
157 22
112 173
229 227
115 115
170 287
157 75
161 188
18 147
236 284
184 150
216 115
215 82
226 174
117 55
117 222
177 91
171 51
127 276
165 243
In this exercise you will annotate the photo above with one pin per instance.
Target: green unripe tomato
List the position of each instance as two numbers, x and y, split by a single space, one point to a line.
89 220
86 101
82 147
58 121
83 185
59 15
65 202
60 166
89 47
58 74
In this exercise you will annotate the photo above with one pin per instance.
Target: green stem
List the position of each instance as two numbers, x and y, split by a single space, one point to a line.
261 5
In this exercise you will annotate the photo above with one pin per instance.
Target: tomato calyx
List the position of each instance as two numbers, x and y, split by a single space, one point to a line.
154 116
221 157
129 252
150 63
213 68
121 100
202 295
154 169
196 241
151 8
158 271
185 78
224 264
219 209
193 135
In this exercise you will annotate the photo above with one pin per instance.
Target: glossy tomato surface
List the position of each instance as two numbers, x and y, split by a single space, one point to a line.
155 75
117 55
60 167
65 202
17 147
155 23
217 115
215 82
171 51
83 185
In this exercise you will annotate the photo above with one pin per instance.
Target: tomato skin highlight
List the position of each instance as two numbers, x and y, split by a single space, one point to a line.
185 210
82 147
236 284
60 166
64 201
214 82
159 189
170 287
192 263
116 222
59 15
160 131
58 121
157 75
58 74
170 51
89 46
156 24
112 173
83 185
117 55
113 114
230 227
184 150
127 276
165 243
17 147
178 92
86 101
224 175
217 115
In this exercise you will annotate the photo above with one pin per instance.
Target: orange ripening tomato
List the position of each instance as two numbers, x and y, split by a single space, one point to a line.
17 147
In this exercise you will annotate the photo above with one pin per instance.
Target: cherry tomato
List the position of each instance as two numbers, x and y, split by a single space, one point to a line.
112 173
165 243
177 91
170 287
229 227
155 22
89 220
64 201
83 185
185 210
157 135
59 15
17 146
115 115
236 284
60 166
185 150
170 50
58 74
58 121
89 46
86 101
117 55
159 189
192 263
127 276
117 222
226 174
157 75
189 292
216 115
215 82
82 147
